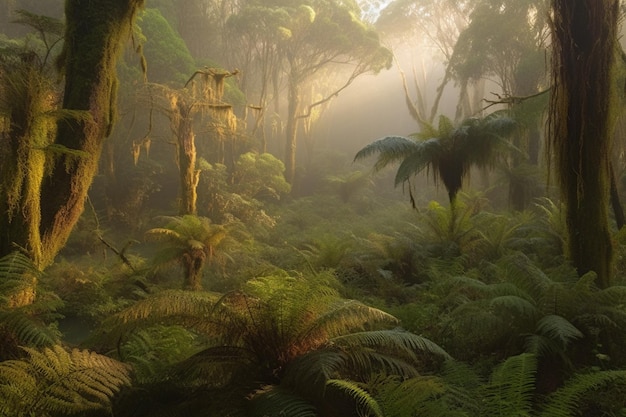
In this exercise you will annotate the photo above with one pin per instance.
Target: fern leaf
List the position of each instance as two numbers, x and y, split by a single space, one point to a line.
59 382
565 402
390 149
558 328
510 391
274 401
366 404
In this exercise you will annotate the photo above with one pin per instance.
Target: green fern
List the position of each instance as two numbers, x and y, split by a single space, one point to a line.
510 391
567 400
420 395
57 382
273 401
365 404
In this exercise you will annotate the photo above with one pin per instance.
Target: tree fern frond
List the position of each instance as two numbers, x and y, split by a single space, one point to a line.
59 382
16 273
173 306
366 405
363 361
395 340
309 372
348 315
411 397
425 153
566 401
515 304
29 330
275 401
390 149
510 390
558 328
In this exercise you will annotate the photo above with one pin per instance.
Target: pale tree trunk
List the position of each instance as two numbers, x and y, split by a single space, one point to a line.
291 131
581 121
186 153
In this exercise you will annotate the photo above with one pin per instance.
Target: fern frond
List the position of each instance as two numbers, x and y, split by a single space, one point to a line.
558 328
16 273
29 330
515 304
59 382
274 401
411 397
566 401
309 372
394 340
185 308
366 405
347 315
510 390
390 149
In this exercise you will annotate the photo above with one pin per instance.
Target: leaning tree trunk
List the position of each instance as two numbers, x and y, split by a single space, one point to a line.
581 116
94 35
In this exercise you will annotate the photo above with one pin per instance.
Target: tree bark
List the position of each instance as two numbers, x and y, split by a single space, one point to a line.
584 46
94 35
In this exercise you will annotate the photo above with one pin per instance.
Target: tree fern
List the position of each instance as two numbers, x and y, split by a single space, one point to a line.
510 391
57 382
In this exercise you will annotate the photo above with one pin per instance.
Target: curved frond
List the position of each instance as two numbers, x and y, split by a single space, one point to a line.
390 149
395 340
510 390
426 154
366 405
566 401
275 401
61 382
558 328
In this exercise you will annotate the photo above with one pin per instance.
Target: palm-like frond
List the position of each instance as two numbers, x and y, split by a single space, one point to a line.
424 154
390 149
420 395
58 382
510 390
448 151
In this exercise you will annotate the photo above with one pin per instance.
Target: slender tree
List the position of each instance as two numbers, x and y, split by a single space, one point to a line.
581 120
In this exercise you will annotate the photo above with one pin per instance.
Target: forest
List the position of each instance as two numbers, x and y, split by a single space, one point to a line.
312 208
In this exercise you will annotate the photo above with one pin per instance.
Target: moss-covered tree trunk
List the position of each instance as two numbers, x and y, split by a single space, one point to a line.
584 45
94 35
186 149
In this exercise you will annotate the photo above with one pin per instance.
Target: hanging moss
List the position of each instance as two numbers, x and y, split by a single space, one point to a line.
581 119
94 35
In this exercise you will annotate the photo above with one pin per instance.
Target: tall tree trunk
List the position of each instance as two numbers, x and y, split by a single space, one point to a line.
584 46
94 34
291 131
186 153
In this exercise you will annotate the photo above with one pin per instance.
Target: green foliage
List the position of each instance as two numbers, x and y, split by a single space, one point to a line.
57 382
290 342
511 388
569 400
448 151
25 316
169 60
